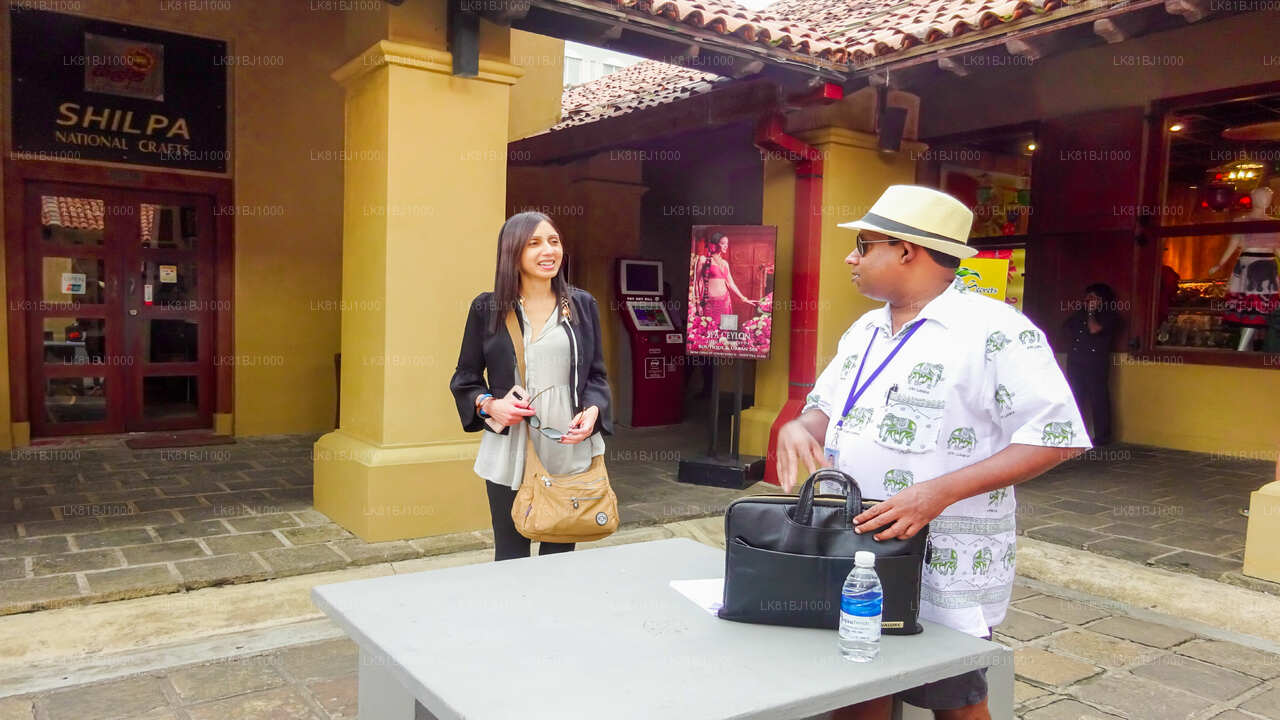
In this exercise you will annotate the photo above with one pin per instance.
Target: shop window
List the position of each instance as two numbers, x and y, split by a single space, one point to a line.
1218 154
572 70
1216 288
991 174
1218 291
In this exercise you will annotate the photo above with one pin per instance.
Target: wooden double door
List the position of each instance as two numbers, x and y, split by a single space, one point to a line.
119 308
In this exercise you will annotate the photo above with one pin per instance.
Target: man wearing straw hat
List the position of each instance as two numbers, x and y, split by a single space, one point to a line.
938 402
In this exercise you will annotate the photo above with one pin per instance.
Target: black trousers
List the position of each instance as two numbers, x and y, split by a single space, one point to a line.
508 543
1091 387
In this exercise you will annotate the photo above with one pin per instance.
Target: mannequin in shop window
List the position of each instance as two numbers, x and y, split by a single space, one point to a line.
1254 288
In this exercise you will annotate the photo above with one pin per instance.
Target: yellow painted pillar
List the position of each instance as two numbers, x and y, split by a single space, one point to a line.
855 173
425 186
1262 540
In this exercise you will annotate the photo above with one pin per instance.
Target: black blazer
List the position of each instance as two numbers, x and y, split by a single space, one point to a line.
492 355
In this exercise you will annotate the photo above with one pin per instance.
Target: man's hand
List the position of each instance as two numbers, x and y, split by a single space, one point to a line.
904 514
795 445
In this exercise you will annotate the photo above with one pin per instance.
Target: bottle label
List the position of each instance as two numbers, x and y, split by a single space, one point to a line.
859 629
864 605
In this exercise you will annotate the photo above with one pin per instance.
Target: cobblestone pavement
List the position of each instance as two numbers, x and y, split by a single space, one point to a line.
1165 508
98 523
1075 659
104 522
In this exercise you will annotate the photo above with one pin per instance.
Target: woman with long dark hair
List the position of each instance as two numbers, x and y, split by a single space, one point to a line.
567 393
1091 330
713 282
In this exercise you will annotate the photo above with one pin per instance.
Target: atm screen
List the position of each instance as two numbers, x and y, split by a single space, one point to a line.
641 277
649 315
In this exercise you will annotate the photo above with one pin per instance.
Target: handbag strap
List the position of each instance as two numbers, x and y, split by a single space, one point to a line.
531 454
517 342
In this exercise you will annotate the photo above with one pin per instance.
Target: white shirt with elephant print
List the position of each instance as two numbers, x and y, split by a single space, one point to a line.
976 377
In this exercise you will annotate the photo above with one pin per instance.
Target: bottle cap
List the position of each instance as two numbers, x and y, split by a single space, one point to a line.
864 558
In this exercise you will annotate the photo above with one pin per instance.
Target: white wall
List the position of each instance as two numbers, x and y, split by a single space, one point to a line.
584 63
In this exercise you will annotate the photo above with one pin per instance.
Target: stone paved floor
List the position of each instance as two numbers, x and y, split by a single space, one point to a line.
1074 660
1166 508
103 522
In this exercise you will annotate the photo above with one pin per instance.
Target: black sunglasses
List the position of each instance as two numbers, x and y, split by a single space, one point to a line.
536 423
863 242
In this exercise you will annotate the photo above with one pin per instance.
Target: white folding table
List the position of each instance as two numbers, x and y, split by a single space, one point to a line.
601 634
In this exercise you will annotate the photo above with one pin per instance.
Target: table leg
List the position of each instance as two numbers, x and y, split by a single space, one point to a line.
903 711
381 694
999 693
1000 687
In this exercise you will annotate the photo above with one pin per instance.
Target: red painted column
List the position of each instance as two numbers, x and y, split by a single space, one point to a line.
807 245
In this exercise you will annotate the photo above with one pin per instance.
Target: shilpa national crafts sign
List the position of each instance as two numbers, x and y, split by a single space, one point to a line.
87 89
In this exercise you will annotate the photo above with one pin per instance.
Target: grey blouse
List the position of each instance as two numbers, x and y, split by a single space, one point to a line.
548 363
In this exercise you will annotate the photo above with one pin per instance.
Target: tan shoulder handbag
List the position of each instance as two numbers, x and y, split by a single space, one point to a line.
560 508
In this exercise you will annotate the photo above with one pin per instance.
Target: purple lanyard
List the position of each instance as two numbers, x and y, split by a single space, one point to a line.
855 392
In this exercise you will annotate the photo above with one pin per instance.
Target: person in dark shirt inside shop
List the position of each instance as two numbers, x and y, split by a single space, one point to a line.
1090 331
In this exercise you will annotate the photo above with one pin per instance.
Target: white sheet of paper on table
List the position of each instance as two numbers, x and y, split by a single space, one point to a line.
707 594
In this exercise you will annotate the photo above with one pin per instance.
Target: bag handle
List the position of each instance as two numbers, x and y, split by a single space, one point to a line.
852 495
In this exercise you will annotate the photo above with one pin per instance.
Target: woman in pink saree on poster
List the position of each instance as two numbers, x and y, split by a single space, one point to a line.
713 281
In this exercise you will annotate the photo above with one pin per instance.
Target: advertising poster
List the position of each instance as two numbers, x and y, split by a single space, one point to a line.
998 274
731 290
985 276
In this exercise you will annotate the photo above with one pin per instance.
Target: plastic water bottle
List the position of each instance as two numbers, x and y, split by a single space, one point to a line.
861 605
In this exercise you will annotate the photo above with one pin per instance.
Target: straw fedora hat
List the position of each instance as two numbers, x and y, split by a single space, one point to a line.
923 216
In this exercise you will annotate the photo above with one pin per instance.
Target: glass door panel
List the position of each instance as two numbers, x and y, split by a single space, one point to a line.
168 313
70 273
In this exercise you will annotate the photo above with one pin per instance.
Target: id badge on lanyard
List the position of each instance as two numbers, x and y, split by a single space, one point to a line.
832 451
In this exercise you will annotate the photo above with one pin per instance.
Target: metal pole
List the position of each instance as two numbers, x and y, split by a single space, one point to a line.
737 407
715 405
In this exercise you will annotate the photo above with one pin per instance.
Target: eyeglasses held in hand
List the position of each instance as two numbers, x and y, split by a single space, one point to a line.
536 423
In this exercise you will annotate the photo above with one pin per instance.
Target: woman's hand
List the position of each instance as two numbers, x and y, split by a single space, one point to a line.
583 424
506 412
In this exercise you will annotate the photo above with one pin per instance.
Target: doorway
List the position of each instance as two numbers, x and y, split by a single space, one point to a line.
120 309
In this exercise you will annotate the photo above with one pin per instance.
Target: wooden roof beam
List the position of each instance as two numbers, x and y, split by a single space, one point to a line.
1119 28
953 67
1190 10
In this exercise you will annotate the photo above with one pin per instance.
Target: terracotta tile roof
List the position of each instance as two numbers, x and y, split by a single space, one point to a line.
869 29
644 84
842 31
767 30
850 32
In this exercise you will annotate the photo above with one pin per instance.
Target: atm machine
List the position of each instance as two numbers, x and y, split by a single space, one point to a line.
651 349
